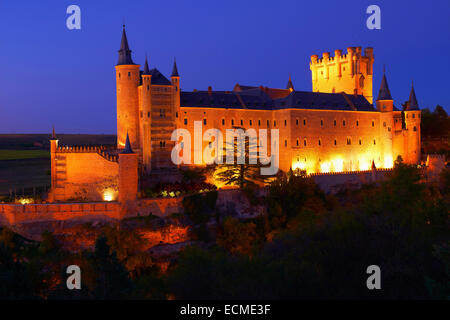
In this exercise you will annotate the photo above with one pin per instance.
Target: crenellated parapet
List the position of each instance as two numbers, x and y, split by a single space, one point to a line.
349 72
103 151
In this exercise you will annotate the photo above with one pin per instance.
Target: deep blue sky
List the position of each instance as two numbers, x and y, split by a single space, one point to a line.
51 75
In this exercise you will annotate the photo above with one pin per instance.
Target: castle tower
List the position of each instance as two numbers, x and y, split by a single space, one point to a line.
53 148
412 121
146 95
175 79
127 82
128 173
385 104
350 73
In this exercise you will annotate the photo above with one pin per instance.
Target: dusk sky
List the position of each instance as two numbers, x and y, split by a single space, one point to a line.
50 75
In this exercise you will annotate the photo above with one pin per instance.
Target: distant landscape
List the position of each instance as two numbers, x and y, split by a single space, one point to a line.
24 159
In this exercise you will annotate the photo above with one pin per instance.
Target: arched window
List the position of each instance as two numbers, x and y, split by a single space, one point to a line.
304 142
415 129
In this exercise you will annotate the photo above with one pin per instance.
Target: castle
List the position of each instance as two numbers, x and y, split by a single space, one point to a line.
334 128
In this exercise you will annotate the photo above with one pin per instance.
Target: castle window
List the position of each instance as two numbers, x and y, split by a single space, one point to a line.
259 123
321 123
373 123
297 142
250 122
304 122
389 129
185 121
384 124
141 114
349 141
129 75
285 143
223 122
268 123
304 142
357 123
148 87
242 122
204 122
360 142
148 114
335 142
335 123
119 75
274 123
320 142
232 122
176 114
296 122
414 115
343 123
415 129
374 141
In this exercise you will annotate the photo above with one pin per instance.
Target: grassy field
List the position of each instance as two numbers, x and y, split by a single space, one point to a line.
23 154
25 159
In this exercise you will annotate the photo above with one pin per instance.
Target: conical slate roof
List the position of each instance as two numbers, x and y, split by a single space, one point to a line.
146 68
175 69
384 93
127 149
290 85
124 51
412 102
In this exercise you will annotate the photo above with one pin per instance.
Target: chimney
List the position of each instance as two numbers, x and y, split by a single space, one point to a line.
209 90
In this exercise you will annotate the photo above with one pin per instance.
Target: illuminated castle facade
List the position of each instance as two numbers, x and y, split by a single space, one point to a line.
334 128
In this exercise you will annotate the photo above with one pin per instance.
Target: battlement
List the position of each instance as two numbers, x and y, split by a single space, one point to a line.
348 172
353 53
350 73
103 151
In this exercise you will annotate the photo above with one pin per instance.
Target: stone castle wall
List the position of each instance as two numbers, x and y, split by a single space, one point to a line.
84 175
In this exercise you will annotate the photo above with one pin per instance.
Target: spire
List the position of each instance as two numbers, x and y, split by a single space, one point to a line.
412 102
146 68
127 148
53 134
175 69
384 93
289 84
124 51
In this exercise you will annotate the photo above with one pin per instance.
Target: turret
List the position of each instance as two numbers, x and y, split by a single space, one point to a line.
146 117
127 82
384 100
175 79
412 122
53 149
128 174
385 105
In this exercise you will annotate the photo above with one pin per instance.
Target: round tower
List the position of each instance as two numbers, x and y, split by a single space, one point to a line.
128 174
146 117
127 82
412 121
385 104
175 79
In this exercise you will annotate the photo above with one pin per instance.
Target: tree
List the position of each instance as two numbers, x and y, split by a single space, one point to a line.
238 237
111 277
244 174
